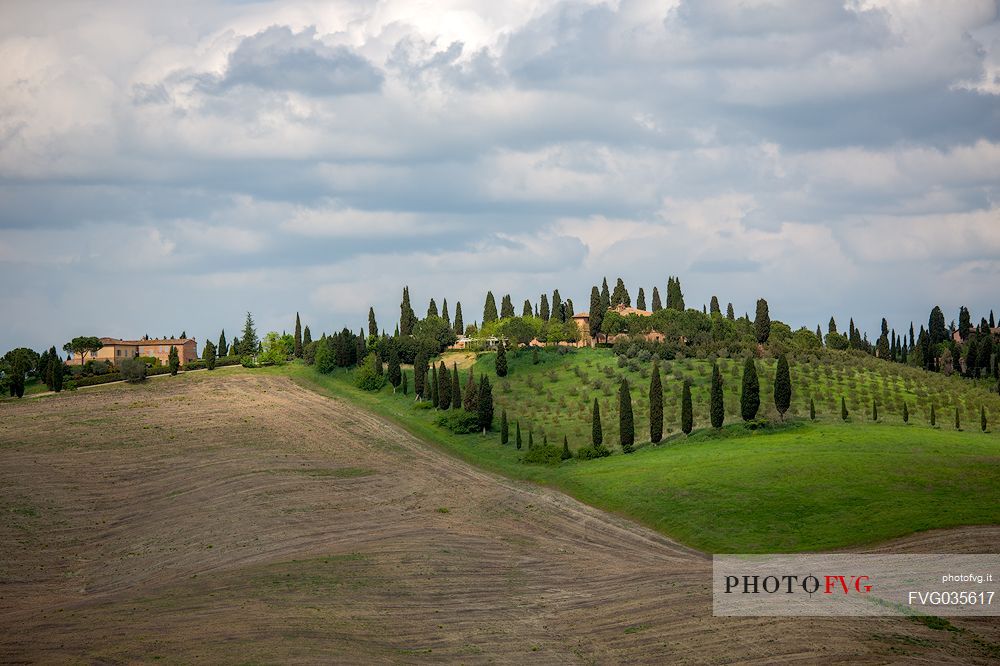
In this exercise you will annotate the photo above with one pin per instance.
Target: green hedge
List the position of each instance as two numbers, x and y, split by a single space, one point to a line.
94 380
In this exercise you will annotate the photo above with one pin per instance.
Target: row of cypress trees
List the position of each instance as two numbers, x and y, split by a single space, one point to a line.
749 404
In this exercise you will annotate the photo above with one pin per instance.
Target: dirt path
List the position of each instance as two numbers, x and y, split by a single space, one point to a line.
238 518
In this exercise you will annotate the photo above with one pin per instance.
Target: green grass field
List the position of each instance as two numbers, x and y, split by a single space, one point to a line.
805 486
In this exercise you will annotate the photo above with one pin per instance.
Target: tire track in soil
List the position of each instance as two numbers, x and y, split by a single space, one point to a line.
272 523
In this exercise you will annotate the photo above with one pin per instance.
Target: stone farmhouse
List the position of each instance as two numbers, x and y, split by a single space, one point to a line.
115 350
582 320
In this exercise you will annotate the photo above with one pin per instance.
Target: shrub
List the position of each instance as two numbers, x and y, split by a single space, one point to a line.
459 421
367 377
592 452
544 454
94 380
133 370
196 365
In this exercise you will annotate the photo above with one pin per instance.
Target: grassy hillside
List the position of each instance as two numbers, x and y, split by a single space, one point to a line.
801 487
556 396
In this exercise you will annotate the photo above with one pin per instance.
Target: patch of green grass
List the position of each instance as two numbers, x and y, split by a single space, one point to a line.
801 486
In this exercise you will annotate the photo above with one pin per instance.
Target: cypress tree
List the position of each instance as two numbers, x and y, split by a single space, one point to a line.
173 360
936 327
223 348
569 309
982 417
843 409
596 433
526 310
490 309
874 410
596 314
687 413
517 435
57 370
655 405
501 360
819 335
762 323
456 389
933 417
531 440
434 386
506 307
750 397
459 326
407 318
298 337
306 337
566 455
485 404
444 312
993 322
713 306
958 422
432 309
730 313
504 428
657 303
964 322
605 296
444 387
906 413
620 295
405 384
717 404
782 387
210 355
812 410
395 374
640 299
471 401
557 307
420 374
543 308
372 324
626 425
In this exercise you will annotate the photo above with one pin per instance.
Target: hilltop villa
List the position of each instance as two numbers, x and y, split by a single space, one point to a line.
582 320
115 350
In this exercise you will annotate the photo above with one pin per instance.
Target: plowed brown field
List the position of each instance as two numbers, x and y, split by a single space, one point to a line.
236 517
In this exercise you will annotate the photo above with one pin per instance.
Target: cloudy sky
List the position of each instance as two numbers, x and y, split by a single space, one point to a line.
169 166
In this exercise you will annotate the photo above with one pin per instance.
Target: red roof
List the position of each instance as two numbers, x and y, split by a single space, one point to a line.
151 341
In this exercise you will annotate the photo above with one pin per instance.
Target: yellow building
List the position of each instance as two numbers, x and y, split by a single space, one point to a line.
115 350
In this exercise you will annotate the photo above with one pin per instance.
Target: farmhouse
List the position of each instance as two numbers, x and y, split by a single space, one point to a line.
583 323
115 350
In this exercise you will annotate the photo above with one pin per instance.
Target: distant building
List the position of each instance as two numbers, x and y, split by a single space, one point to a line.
582 320
115 350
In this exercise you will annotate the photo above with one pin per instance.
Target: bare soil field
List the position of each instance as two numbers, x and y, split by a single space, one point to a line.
238 518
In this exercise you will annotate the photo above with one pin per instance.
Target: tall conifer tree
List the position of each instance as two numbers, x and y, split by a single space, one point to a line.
657 304
750 397
640 300
655 405
298 337
459 327
490 309
626 424
596 432
782 387
762 323
717 404
687 411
